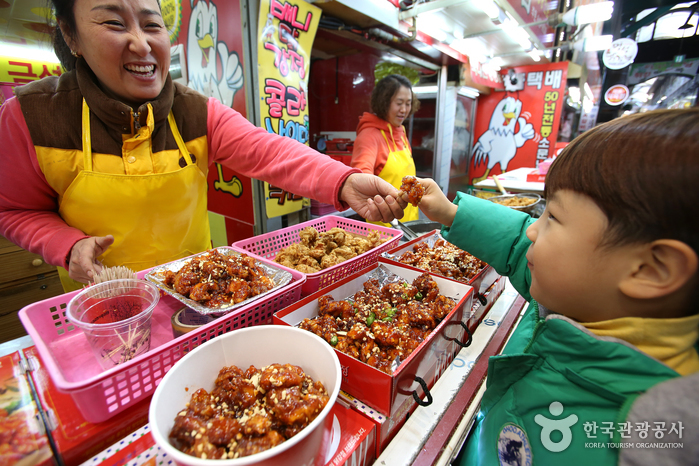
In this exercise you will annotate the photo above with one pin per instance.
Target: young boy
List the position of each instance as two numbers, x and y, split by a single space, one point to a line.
610 270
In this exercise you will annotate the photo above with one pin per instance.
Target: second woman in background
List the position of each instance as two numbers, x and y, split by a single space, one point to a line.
381 147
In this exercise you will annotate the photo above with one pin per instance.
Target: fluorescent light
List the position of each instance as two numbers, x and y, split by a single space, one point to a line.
473 47
431 29
425 89
511 27
468 92
588 105
535 54
588 92
574 93
495 63
490 8
28 52
594 44
586 14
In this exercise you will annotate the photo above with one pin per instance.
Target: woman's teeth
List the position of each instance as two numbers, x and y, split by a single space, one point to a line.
141 69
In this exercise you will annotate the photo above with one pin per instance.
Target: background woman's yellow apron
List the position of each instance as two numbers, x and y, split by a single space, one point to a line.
399 164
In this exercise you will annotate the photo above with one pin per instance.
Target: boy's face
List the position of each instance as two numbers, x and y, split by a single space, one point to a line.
571 275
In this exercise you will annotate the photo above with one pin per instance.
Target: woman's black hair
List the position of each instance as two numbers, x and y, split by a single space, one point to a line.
384 91
63 11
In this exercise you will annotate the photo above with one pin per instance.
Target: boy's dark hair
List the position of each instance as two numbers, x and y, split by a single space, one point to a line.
642 170
384 91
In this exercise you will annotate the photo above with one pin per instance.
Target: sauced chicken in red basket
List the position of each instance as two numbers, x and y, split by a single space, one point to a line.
382 324
248 412
219 280
444 259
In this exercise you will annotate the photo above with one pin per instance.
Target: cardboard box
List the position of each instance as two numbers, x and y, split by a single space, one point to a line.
348 440
351 438
22 436
392 394
481 282
76 439
535 176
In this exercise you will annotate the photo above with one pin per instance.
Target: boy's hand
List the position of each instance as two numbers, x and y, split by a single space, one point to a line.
435 204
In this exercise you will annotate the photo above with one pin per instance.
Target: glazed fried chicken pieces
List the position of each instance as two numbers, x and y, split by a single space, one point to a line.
318 251
382 324
444 259
248 412
412 187
219 280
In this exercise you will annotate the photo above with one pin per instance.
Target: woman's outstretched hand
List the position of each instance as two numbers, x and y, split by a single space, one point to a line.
83 257
372 198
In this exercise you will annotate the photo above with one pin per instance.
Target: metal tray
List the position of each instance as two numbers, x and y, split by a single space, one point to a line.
157 276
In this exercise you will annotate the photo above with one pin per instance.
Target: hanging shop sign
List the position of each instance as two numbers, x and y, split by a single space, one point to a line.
616 95
519 128
286 31
620 54
640 72
588 118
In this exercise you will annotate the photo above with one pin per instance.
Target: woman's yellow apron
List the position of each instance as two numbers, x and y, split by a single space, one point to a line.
399 164
154 217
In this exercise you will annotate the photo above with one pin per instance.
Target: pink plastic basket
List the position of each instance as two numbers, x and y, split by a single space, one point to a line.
266 246
99 395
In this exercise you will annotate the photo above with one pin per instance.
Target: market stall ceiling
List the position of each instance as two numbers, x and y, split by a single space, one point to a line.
24 22
456 20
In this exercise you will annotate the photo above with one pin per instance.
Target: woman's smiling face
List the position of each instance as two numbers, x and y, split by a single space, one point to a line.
126 45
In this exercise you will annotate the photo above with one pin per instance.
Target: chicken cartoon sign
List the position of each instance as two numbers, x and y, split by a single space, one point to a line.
499 144
204 52
518 129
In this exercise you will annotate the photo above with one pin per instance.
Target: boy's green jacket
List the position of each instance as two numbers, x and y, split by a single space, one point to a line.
559 395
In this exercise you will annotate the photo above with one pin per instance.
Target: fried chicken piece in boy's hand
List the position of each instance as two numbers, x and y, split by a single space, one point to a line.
412 187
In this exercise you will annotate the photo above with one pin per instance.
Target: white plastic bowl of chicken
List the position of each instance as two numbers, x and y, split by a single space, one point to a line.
259 346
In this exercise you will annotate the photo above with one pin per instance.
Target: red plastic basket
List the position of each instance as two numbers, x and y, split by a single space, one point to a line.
99 395
267 245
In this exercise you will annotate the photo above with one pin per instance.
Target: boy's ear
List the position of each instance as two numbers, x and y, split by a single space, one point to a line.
660 269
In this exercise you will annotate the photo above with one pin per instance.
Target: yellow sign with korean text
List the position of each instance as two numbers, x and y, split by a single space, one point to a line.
18 71
286 31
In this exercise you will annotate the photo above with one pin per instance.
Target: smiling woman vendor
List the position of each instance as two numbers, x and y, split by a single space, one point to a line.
108 163
381 147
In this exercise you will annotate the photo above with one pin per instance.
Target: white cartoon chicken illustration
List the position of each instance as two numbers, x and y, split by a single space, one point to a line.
202 49
499 143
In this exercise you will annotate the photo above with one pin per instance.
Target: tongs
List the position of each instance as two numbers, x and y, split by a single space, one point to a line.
407 231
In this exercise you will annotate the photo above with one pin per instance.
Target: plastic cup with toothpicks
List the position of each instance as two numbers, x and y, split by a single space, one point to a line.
115 316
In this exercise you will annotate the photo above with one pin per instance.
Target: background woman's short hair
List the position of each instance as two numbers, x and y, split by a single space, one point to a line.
384 91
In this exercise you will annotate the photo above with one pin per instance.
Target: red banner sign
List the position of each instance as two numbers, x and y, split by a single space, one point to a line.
518 128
